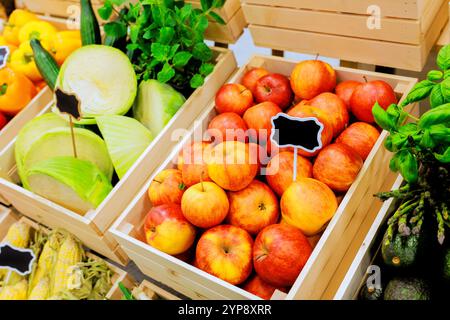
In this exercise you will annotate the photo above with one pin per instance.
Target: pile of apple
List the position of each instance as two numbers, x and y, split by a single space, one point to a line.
216 211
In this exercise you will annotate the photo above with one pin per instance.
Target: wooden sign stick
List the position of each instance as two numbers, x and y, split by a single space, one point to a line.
74 146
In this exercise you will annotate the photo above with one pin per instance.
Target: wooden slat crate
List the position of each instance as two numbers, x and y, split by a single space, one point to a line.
317 273
91 227
8 217
407 32
356 274
229 33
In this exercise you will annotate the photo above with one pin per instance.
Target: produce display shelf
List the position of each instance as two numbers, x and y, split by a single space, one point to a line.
402 37
92 227
9 217
329 251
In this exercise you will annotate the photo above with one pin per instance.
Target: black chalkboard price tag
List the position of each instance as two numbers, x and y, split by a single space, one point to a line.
16 259
297 133
4 55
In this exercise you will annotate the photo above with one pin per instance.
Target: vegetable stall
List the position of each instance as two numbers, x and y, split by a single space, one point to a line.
133 142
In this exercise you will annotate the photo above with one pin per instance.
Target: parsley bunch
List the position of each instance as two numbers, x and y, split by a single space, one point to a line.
164 38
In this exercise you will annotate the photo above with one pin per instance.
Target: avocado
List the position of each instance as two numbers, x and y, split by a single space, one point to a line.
446 265
407 289
370 293
401 251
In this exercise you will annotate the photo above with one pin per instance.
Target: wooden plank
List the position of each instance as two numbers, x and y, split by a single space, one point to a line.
7 218
329 251
228 33
444 38
408 9
228 10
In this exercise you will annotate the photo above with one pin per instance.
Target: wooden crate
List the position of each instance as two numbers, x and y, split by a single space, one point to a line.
339 29
317 273
91 227
8 217
356 274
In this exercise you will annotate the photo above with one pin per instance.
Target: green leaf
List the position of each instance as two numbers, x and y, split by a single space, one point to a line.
185 12
408 129
206 4
435 75
217 4
439 115
394 164
160 52
115 29
437 98
181 59
445 157
197 81
173 50
134 33
408 167
201 25
206 69
217 18
427 141
106 10
166 74
446 74
419 92
202 52
440 133
443 58
445 88
382 118
396 141
166 35
397 114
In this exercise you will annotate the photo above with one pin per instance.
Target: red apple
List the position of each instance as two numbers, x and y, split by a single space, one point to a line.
335 107
233 98
251 77
280 171
337 166
3 120
167 187
274 88
279 254
260 152
225 252
311 78
259 120
167 230
305 111
345 89
192 161
260 288
253 208
227 126
232 166
366 95
205 205
361 137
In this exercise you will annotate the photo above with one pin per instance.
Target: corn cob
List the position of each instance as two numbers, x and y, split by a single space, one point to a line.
41 290
15 292
47 259
70 254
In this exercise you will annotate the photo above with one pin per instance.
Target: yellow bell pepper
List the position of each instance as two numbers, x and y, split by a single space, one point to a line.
64 43
41 30
17 20
16 91
22 60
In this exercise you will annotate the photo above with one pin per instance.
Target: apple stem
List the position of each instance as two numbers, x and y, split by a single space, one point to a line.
156 180
317 56
201 181
365 79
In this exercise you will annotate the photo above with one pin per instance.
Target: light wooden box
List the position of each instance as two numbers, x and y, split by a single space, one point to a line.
408 29
317 273
8 217
356 274
91 228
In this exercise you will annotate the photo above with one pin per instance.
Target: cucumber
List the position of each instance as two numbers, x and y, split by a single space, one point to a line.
45 63
90 29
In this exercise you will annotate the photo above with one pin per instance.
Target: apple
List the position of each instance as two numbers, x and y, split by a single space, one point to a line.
274 88
345 89
260 152
167 230
193 162
280 170
361 137
260 288
167 187
279 254
305 111
251 77
314 240
308 205
366 95
337 165
232 166
253 208
335 107
225 252
259 119
233 98
205 205
311 78
227 126
3 121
